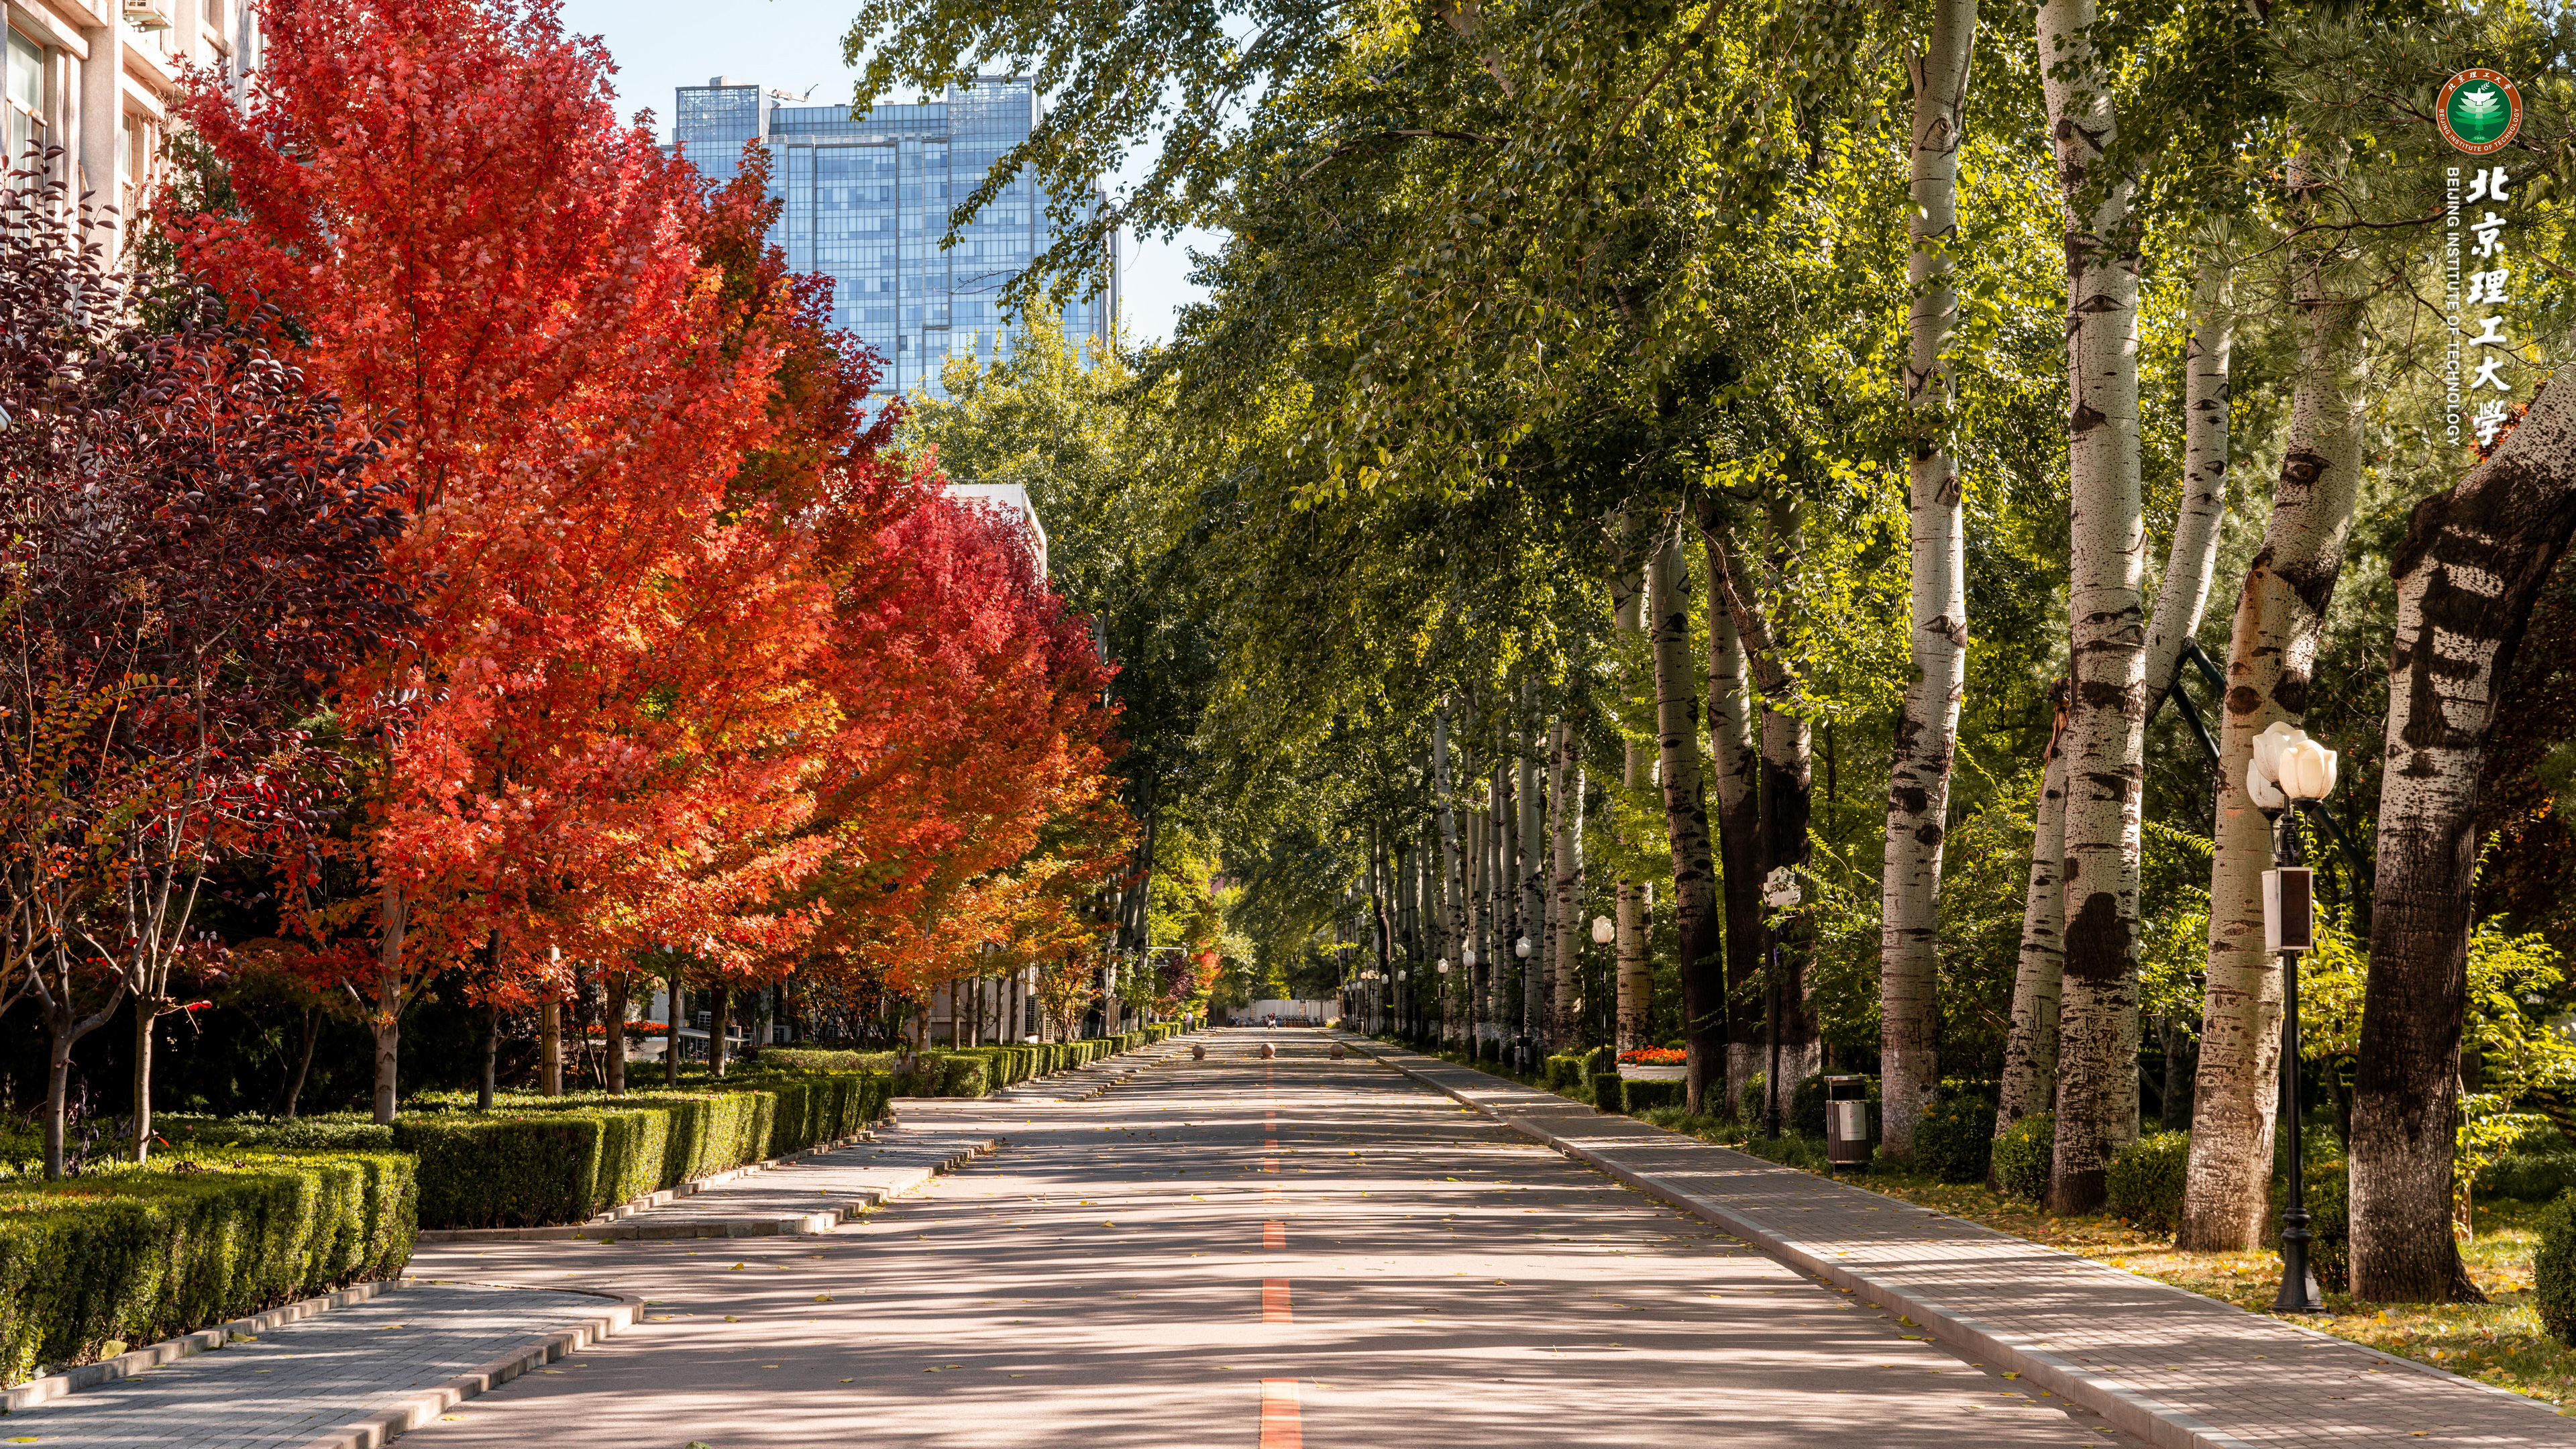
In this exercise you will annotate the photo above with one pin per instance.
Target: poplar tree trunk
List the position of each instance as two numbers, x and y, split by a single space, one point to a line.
1531 867
1453 883
1739 845
2272 646
1699 955
720 1025
1565 961
2030 1051
303 1061
2474 561
1927 724
2106 717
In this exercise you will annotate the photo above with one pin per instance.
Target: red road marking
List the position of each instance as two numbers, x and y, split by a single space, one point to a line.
1270 1144
1270 1164
1274 1235
1279 1415
1274 1301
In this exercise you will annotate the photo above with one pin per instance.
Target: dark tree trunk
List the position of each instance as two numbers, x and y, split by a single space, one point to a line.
303 1060
1701 952
2473 563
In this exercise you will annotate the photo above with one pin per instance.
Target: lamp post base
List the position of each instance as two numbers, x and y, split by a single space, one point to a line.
2298 1282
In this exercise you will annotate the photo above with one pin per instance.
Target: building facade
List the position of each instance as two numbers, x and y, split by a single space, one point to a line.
97 80
868 199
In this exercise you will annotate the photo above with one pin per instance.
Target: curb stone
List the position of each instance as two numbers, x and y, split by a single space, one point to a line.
2150 1419
385 1425
170 1350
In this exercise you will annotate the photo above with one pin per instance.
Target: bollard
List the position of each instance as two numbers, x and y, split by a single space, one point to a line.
1198 1053
1268 1051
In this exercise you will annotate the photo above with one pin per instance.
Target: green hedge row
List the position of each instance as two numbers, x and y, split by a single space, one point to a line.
973 1071
141 1253
334 1132
555 1160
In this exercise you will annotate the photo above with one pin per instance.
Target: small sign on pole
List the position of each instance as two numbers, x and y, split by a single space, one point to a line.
2289 909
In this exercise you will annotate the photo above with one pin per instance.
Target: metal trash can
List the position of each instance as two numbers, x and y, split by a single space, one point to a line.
1848 1133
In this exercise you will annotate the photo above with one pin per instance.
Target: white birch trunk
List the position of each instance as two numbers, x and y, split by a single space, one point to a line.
1453 883
1566 960
1927 725
2272 645
1529 864
2105 732
2030 1052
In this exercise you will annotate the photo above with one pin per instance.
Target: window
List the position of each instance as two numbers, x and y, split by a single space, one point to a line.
26 98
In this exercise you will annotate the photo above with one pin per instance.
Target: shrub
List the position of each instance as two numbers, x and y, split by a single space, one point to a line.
2329 1194
1604 1090
1639 1098
2144 1181
1807 1108
1561 1073
2531 1176
2553 1270
2022 1156
1955 1141
140 1253
1755 1100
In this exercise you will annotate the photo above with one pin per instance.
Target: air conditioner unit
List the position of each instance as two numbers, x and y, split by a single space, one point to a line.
147 14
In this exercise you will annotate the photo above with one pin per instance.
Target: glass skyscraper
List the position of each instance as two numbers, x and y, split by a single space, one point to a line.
868 198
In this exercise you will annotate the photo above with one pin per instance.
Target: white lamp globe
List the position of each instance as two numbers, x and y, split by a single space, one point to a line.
1521 948
1467 957
1444 965
2307 769
1603 930
2259 787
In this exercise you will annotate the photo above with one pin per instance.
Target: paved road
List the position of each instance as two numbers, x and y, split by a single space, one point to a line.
1238 1252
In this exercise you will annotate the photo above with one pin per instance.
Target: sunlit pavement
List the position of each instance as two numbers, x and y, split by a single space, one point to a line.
1285 1253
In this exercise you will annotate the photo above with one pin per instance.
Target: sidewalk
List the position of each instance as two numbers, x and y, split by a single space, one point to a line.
2172 1367
329 1381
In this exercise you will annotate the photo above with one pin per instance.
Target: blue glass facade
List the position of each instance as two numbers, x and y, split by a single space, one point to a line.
868 198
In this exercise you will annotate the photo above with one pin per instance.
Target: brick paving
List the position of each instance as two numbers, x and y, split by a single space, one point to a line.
300 1381
2173 1366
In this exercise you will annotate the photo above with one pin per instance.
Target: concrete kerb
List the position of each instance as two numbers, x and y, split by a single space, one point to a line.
170 1350
2158 1423
385 1425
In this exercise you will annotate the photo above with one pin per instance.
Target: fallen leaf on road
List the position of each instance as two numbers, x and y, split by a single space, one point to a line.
822 1297
849 1381
729 1318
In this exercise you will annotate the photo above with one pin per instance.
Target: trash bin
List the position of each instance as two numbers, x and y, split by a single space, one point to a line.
1847 1124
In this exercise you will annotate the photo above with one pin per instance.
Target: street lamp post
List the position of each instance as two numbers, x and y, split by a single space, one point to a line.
1443 989
1604 931
1468 1023
2288 771
1780 891
1525 1046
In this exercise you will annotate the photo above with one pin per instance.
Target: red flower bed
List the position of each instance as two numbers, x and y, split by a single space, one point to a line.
1654 1057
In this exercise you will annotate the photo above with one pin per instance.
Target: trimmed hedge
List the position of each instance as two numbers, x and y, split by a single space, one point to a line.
1639 1097
810 1059
142 1253
2144 1182
1561 1073
2022 1156
1603 1090
335 1132
1807 1109
563 1160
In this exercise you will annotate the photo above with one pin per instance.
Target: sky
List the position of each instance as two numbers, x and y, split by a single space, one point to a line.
792 44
